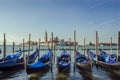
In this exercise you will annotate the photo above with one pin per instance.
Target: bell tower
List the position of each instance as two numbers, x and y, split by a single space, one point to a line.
46 36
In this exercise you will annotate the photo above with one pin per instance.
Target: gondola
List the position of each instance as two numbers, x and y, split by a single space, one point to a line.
64 61
41 64
82 62
16 61
32 57
119 57
91 56
11 56
107 61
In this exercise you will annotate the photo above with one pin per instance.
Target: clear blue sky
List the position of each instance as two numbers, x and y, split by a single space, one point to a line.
18 18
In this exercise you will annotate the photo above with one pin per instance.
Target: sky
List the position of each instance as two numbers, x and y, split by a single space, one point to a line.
18 18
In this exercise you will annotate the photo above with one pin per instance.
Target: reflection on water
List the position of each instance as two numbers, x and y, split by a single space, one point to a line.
114 76
86 75
38 75
34 76
62 76
9 74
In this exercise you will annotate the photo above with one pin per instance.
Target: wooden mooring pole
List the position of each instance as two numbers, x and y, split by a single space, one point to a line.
39 47
74 47
23 46
70 45
74 40
118 48
84 45
29 43
52 52
4 47
24 56
51 40
13 47
97 47
111 45
53 47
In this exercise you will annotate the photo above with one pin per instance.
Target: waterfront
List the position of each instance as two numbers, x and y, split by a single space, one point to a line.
53 74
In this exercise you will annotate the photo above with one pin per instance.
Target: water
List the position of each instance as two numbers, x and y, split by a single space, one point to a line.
96 74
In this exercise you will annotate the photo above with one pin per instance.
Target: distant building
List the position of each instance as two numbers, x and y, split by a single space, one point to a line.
46 36
56 41
62 42
68 43
47 43
108 44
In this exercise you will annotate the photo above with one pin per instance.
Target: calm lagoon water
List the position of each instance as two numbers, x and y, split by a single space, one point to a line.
53 74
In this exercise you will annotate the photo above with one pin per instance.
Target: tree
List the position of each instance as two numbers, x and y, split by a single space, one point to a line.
90 43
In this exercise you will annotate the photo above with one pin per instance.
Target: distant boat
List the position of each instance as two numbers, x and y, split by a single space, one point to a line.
82 62
64 61
41 64
15 61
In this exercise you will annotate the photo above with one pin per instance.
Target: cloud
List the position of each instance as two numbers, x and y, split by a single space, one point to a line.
109 21
97 5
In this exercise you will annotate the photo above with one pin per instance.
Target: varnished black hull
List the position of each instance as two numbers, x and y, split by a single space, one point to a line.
87 67
16 63
13 67
35 70
64 68
110 66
